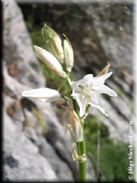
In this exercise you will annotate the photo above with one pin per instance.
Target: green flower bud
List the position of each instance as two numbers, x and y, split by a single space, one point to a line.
53 42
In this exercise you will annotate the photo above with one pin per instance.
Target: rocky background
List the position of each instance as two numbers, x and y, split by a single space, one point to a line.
34 143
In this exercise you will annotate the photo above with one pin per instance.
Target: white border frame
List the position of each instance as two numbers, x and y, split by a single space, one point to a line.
134 45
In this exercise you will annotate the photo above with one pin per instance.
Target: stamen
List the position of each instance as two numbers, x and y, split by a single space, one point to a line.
93 89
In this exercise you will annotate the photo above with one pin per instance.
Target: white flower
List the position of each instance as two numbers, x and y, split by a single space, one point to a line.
42 94
88 90
49 61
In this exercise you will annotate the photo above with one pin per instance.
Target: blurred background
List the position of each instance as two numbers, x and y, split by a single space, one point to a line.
35 146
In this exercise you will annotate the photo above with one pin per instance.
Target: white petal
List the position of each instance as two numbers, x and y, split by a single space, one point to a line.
42 100
97 103
106 90
42 94
82 104
100 80
74 94
86 79
75 85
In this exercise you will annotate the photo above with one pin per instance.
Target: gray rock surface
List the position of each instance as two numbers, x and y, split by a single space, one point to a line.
56 137
59 166
116 37
22 161
16 40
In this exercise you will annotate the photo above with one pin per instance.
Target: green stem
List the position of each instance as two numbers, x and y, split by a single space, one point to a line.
82 166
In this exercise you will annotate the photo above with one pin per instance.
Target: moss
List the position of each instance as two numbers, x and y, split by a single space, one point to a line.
8 19
28 123
10 111
91 128
120 93
132 106
113 154
41 118
114 161
59 111
37 38
107 97
14 108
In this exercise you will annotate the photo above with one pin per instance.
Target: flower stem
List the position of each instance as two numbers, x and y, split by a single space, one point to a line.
82 166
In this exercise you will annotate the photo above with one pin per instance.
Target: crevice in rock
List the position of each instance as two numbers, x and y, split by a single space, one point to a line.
72 168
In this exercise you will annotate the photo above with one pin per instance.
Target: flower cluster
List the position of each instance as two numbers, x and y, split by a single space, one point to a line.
59 58
56 54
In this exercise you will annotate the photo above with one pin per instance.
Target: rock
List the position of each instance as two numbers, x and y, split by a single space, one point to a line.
115 40
22 161
16 40
56 137
61 169
7 100
34 123
122 107
31 134
12 87
118 126
123 85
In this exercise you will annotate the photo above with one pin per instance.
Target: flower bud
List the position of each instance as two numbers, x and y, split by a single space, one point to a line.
105 70
53 42
68 54
42 94
49 61
75 127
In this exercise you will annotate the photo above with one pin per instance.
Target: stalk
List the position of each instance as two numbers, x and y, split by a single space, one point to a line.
82 166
